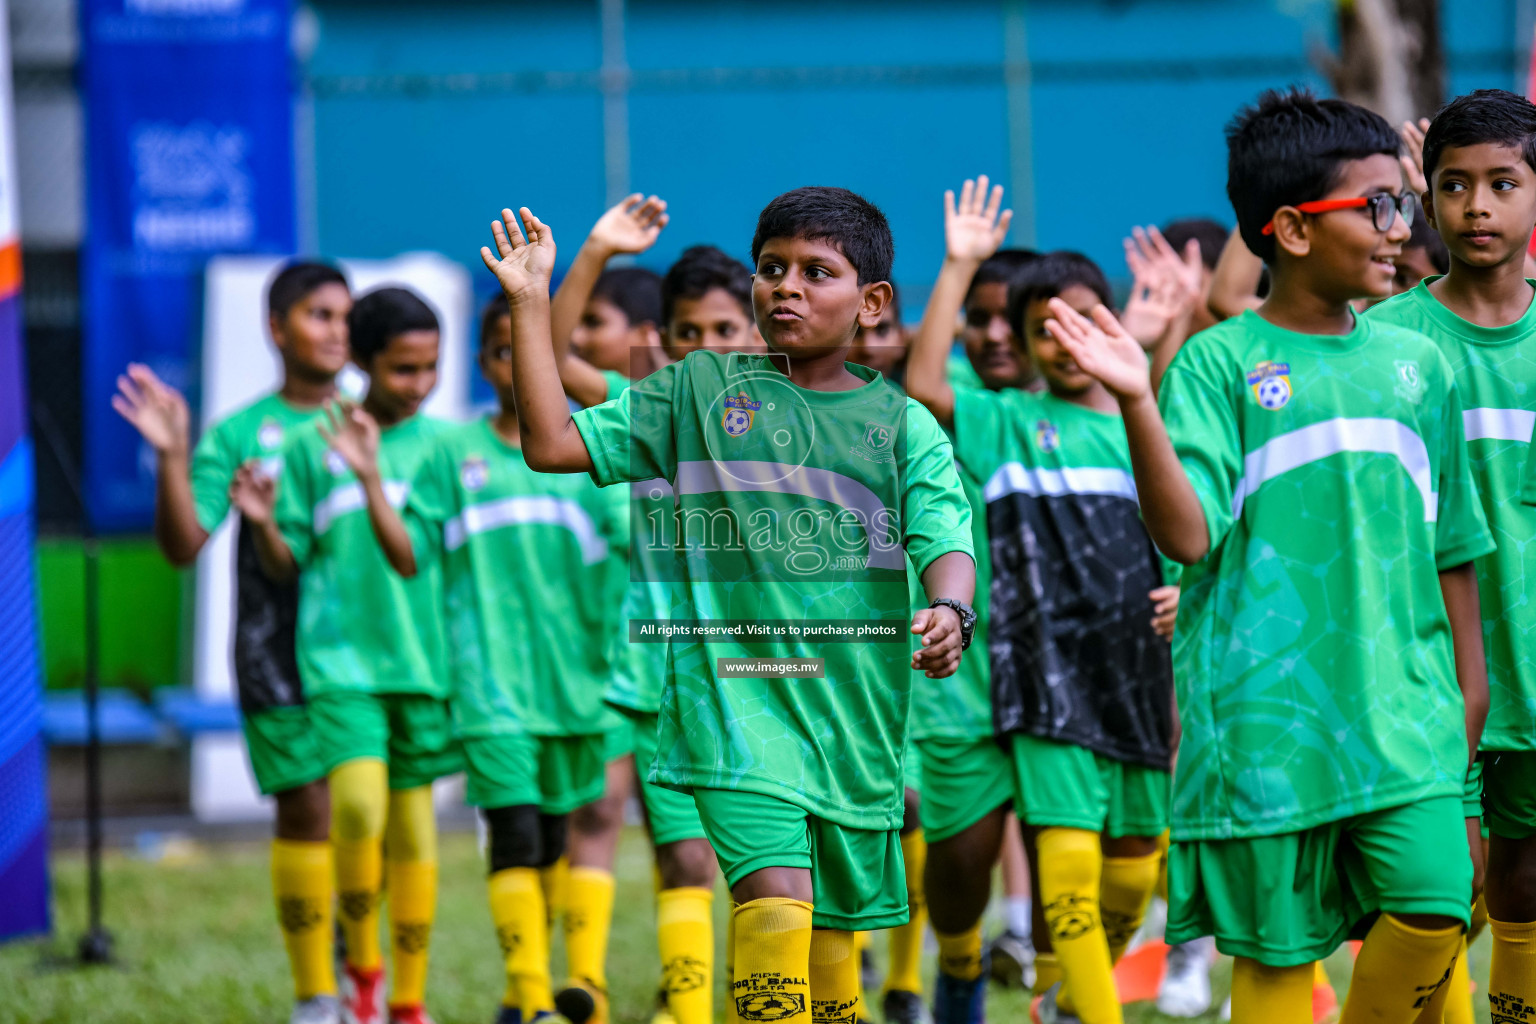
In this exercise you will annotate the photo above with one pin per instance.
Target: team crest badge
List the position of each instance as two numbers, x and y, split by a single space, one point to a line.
334 462
877 436
1046 437
474 472
739 410
1410 383
270 435
1271 384
875 443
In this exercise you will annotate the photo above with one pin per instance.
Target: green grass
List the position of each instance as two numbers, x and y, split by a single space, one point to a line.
197 943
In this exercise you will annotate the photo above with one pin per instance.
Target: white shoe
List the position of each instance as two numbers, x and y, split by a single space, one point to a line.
1186 988
316 1010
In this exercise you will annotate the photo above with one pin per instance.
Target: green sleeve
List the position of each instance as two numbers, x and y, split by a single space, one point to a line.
296 501
214 462
1202 425
978 431
632 437
617 384
1461 528
935 514
430 502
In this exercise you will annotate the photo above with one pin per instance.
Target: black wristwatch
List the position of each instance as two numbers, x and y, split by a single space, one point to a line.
967 618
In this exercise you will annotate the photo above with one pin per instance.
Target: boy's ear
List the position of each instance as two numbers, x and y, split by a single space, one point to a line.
275 330
876 297
1427 204
1291 233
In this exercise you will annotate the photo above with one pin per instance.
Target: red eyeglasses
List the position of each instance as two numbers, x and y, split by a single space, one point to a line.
1384 209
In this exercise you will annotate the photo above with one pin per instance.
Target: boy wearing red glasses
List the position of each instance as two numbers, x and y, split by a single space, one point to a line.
1310 469
1480 166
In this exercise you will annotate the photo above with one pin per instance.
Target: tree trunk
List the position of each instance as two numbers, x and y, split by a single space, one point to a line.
1390 57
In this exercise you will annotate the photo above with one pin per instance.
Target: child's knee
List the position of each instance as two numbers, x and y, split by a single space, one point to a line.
412 828
687 862
516 838
359 800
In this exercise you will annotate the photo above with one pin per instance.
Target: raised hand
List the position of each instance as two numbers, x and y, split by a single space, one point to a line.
354 435
522 266
1164 284
1413 154
1103 348
253 494
156 410
630 227
974 229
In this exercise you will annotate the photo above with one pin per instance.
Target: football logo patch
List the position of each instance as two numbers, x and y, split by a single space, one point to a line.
739 411
270 435
1046 437
1410 383
474 472
1271 384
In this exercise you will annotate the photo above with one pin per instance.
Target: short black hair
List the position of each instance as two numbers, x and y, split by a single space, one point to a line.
1427 238
999 268
700 270
636 292
1291 147
492 311
1049 275
823 213
1212 236
1487 115
296 280
383 314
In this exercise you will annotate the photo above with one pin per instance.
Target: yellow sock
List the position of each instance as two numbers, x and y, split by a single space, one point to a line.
1071 868
522 928
1272 995
1458 993
1163 842
960 955
773 957
1400 972
906 941
588 915
1124 894
730 958
834 977
685 937
304 887
1512 973
1047 972
1479 920
860 942
410 844
555 880
359 805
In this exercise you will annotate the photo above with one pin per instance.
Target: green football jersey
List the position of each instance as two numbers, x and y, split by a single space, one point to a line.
533 571
361 626
257 431
1313 656
792 505
1495 370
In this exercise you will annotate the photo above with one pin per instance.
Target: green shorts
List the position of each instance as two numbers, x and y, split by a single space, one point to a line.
619 738
281 743
857 876
1064 786
410 732
556 773
671 816
1509 792
1292 898
963 782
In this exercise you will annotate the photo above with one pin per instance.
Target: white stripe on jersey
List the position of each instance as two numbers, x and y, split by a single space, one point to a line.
527 509
350 498
1498 424
1297 448
1016 478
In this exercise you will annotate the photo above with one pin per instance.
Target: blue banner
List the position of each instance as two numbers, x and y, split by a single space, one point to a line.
189 153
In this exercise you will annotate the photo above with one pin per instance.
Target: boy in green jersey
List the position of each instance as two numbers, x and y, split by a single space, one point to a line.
370 644
1310 469
794 765
307 306
1480 168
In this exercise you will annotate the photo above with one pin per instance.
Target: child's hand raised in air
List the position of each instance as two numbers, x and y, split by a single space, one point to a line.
1164 283
524 266
1413 154
156 410
354 435
253 494
1103 348
974 229
630 227
940 629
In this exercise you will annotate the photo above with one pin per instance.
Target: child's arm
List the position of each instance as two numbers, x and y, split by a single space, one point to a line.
551 442
972 232
254 494
1235 284
630 227
952 575
1169 506
354 435
159 413
1458 585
